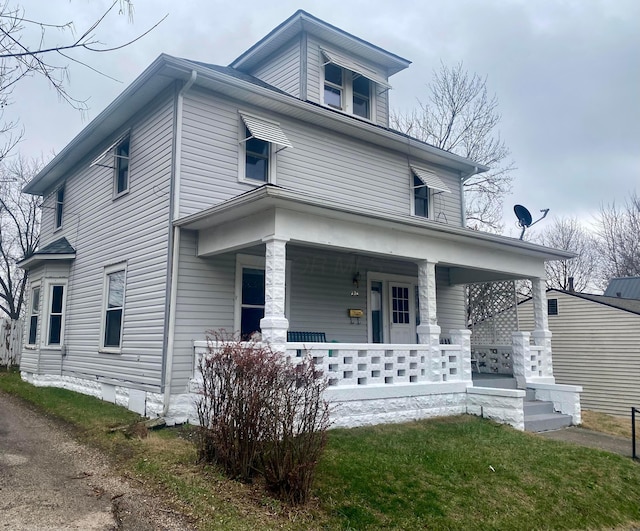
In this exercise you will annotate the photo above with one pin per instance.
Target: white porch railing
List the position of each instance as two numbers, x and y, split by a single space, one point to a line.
373 364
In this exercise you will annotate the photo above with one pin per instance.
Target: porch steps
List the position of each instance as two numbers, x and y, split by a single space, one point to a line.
538 415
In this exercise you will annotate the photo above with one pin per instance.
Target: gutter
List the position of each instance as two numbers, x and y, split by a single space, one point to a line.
175 247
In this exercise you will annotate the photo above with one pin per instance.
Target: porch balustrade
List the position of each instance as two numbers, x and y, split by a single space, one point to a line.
373 364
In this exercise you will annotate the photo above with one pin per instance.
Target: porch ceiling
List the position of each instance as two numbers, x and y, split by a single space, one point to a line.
269 210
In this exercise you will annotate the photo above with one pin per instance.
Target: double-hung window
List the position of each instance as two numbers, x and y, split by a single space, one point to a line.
333 85
260 140
34 312
59 207
420 198
55 308
113 309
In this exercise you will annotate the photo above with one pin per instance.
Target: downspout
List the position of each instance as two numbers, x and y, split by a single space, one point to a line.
175 250
463 210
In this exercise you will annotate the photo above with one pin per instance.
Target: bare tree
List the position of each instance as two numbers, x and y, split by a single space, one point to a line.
567 234
26 50
619 239
460 116
19 231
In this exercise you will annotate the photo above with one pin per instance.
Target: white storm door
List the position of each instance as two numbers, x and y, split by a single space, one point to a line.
402 328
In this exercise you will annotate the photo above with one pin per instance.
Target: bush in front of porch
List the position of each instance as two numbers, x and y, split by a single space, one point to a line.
260 413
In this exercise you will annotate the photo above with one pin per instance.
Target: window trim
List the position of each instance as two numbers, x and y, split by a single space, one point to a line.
58 208
34 286
117 160
255 262
45 329
109 270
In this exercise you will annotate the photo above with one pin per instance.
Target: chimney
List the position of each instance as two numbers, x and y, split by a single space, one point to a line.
571 288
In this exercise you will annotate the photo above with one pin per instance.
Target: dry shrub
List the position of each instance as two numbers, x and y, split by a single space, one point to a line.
259 412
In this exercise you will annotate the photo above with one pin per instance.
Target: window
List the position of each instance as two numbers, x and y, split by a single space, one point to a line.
259 138
420 198
113 310
552 306
34 310
257 158
347 91
425 185
252 304
361 96
122 167
250 293
59 207
333 86
350 85
55 317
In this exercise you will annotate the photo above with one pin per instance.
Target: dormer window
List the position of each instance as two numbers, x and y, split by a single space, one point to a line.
350 86
333 88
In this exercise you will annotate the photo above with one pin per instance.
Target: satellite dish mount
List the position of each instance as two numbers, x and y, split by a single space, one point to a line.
524 217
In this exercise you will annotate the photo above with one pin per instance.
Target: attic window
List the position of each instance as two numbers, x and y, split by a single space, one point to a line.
552 306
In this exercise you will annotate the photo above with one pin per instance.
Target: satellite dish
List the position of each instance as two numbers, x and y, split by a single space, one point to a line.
525 220
523 215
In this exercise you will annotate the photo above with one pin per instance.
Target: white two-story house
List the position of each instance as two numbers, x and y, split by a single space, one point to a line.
265 196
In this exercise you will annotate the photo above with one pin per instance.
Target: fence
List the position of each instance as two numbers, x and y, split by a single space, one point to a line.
10 342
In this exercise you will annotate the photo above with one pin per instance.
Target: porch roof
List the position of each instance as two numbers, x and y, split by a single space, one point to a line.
243 213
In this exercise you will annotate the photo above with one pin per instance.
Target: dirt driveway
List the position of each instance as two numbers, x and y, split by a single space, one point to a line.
49 481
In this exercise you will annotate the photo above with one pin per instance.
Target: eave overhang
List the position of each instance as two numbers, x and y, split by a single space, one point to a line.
301 21
166 69
269 197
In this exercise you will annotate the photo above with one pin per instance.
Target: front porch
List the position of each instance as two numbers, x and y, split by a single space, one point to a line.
379 289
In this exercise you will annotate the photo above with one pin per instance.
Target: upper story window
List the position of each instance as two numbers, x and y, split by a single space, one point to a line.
259 142
420 198
121 184
552 306
59 207
349 85
425 184
117 158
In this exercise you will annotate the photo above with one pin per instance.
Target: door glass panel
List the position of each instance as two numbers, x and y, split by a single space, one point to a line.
252 286
400 304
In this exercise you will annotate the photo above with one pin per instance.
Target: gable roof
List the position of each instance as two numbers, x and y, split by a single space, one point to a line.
302 21
627 287
628 305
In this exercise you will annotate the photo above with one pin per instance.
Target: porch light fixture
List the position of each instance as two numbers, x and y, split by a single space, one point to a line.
356 284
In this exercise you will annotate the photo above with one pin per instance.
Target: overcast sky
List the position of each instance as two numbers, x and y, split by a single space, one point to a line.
566 74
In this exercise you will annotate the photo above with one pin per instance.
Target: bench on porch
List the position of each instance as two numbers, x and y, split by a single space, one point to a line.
306 337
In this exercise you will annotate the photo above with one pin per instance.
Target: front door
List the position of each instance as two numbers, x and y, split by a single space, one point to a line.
401 313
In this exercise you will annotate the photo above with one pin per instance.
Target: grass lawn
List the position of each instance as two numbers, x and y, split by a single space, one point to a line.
452 473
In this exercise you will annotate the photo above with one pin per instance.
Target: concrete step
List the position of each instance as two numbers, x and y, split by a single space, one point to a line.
546 422
480 380
537 407
531 394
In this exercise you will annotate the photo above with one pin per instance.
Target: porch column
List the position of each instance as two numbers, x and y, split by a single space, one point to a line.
274 324
428 328
541 335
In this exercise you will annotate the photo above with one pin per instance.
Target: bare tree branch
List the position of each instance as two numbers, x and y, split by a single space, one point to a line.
461 117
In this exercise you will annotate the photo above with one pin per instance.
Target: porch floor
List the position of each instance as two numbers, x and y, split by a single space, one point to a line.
503 381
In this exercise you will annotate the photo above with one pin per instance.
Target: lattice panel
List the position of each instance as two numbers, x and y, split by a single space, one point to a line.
492 312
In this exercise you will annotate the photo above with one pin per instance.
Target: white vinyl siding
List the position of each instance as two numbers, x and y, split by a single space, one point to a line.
134 229
595 346
283 69
321 162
